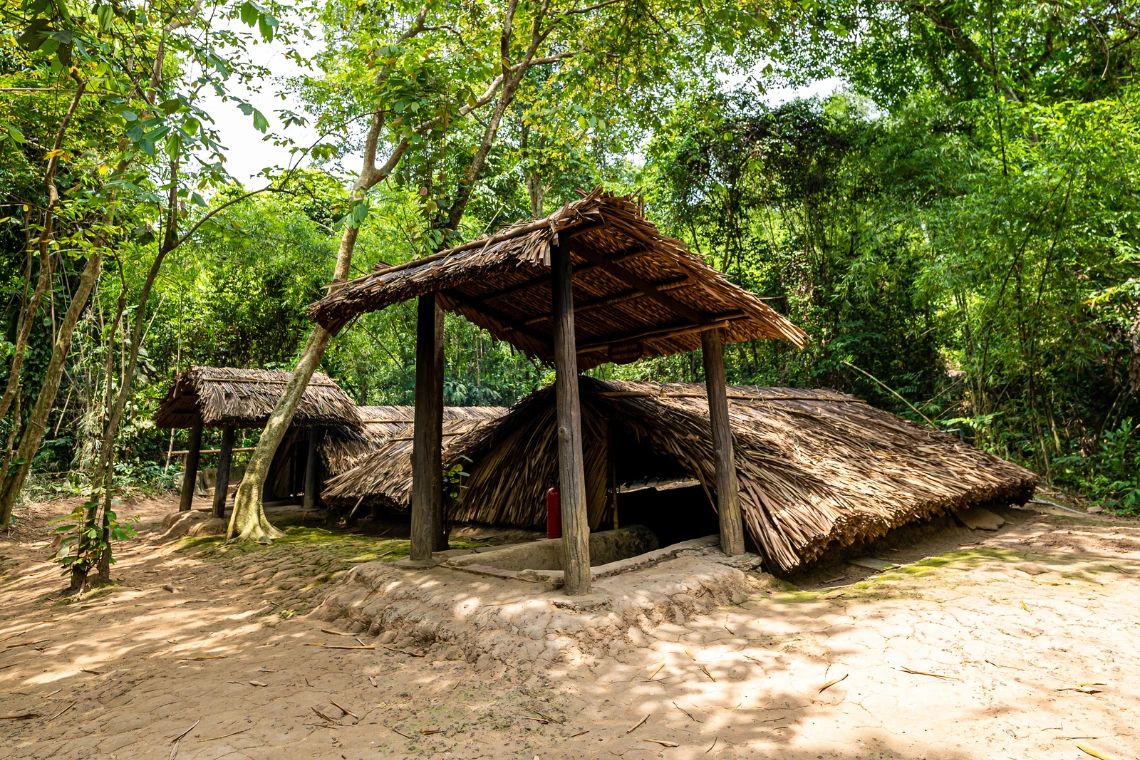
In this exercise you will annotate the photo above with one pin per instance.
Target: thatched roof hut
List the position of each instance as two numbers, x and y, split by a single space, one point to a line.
637 293
380 472
816 468
244 398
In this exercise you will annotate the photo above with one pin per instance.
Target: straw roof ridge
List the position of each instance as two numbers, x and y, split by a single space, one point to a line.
816 468
388 446
246 397
637 292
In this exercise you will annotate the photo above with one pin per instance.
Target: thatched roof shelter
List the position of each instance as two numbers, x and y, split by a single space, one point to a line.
244 398
380 472
637 293
816 468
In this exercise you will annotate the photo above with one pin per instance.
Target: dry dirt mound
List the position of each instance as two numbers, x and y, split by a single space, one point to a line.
484 619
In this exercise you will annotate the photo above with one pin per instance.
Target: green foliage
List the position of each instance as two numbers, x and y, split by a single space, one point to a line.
1111 474
82 543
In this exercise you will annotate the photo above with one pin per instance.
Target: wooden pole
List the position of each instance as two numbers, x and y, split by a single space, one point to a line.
427 435
222 482
571 466
312 470
727 488
190 474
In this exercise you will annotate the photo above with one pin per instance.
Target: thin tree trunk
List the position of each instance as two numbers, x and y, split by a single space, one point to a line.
45 254
34 431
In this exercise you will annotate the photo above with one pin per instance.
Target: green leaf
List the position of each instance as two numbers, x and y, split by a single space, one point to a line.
129 115
266 24
249 13
34 36
171 106
259 121
106 16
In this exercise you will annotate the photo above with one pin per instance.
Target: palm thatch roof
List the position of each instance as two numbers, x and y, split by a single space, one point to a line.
395 424
816 468
245 398
637 293
380 470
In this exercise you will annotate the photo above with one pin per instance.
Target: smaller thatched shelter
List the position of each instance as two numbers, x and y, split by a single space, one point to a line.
244 398
231 398
816 468
379 473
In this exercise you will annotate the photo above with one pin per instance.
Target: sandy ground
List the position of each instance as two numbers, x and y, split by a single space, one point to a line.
1016 644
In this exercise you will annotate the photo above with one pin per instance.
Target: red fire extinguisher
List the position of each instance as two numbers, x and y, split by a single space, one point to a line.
553 513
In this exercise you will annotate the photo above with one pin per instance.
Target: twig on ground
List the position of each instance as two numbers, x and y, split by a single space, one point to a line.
345 709
318 712
637 725
682 709
924 673
182 735
225 736
61 712
829 684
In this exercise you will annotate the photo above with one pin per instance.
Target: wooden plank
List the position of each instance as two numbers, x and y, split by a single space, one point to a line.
236 449
190 473
571 463
312 469
427 434
646 287
222 483
727 487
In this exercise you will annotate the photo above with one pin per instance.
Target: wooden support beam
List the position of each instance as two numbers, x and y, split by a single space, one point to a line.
190 471
646 287
508 322
571 464
613 300
657 333
727 488
312 469
427 454
222 482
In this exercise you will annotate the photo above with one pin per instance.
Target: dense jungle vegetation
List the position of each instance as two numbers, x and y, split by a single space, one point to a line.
955 226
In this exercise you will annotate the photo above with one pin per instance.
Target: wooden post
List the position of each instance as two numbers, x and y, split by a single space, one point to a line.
222 482
427 435
727 488
571 467
190 466
312 470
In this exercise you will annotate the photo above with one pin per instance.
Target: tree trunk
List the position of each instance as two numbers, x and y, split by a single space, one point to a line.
34 431
248 521
571 466
727 488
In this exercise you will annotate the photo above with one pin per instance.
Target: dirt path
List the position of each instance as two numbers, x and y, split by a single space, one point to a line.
1022 645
